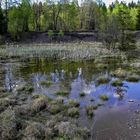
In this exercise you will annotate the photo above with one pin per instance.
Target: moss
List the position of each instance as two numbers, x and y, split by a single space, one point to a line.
116 83
104 97
133 78
73 112
82 94
73 103
46 83
62 93
103 80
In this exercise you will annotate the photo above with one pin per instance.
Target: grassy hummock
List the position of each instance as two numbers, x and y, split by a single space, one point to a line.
104 97
133 78
73 112
62 93
102 80
116 83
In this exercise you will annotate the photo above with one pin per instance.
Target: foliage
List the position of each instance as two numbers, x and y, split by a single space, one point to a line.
70 16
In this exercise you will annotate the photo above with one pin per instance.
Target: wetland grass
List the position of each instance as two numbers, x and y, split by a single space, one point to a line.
116 83
103 80
62 93
133 78
73 112
104 97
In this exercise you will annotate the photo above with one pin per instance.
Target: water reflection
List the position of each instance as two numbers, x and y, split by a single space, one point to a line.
9 82
76 78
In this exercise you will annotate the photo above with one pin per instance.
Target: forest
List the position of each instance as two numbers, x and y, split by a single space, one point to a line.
65 15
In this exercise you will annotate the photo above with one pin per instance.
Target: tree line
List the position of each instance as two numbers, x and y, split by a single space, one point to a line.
18 16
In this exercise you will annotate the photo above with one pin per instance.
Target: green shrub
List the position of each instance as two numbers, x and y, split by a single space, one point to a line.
61 33
50 33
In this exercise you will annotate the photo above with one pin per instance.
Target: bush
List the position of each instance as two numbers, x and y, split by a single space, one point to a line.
61 33
50 33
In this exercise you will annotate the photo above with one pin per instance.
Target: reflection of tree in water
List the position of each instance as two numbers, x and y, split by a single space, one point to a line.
9 83
120 91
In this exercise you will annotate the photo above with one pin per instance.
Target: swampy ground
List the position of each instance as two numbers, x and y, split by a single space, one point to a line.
69 91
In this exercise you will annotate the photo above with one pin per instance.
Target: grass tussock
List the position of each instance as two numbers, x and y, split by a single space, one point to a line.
73 103
103 80
104 97
62 93
133 78
73 112
116 83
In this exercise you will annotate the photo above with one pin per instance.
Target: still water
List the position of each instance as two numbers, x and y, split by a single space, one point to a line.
76 78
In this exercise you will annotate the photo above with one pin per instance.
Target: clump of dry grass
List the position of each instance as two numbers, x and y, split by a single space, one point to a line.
8 125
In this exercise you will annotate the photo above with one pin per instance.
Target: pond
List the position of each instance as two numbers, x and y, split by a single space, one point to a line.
111 85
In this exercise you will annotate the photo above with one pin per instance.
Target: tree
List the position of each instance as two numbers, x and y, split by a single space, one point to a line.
26 12
2 23
15 21
138 18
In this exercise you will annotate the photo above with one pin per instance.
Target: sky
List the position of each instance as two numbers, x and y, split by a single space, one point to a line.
110 1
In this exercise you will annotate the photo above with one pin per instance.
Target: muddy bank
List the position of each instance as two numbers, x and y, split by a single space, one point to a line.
45 37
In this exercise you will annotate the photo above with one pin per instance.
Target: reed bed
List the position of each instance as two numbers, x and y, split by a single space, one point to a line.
73 51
